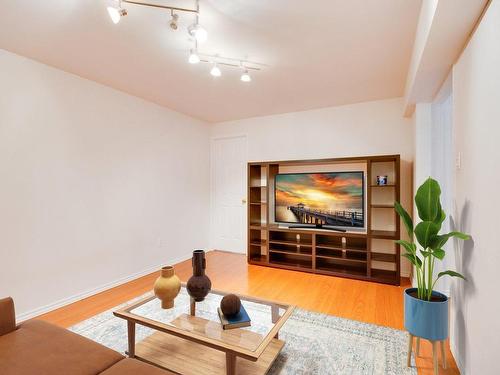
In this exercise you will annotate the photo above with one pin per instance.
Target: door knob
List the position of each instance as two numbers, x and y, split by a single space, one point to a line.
243 201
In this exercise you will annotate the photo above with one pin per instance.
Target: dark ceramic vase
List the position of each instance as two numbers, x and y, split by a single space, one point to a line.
199 284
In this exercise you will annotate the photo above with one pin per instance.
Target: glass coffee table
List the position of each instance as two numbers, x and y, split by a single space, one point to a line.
189 339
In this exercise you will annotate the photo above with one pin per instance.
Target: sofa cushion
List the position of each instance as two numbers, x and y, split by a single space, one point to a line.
134 367
7 316
40 348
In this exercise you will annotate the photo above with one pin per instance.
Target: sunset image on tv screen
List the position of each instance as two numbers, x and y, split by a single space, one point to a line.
334 198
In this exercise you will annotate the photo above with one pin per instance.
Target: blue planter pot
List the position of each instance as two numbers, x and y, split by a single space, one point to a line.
428 320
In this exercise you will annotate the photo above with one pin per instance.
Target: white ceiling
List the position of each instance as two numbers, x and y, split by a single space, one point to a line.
317 53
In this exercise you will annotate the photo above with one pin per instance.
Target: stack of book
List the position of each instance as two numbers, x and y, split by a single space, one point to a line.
241 319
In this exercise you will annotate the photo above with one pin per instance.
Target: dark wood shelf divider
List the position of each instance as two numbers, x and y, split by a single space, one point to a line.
383 186
385 234
384 257
350 254
290 252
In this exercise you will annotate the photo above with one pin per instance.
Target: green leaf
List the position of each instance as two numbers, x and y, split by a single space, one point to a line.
440 240
408 222
441 216
427 200
409 246
413 259
451 273
426 253
425 231
439 253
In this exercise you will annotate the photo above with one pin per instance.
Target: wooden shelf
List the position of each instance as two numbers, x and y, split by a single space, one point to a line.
384 234
258 203
286 266
258 242
289 253
359 250
349 260
291 243
382 206
258 259
383 159
291 264
258 226
383 257
340 271
201 359
385 276
383 186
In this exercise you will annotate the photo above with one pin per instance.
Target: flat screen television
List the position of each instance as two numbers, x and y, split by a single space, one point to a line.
329 199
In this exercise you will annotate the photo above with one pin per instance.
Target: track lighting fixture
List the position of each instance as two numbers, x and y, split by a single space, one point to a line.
173 20
245 77
117 12
215 71
198 32
193 57
216 61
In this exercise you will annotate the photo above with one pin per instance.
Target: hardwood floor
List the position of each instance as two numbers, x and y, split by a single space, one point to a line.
359 300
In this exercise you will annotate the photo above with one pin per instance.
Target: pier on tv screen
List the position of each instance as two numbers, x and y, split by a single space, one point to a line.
333 198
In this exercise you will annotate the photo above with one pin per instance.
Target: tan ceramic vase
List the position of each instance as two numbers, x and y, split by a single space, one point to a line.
167 287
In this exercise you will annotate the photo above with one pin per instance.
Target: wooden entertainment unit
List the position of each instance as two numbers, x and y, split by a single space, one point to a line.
369 254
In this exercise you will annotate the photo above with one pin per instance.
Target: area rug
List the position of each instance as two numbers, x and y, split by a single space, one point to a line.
314 343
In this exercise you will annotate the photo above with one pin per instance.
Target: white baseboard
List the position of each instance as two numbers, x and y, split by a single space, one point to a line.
458 360
232 251
77 297
244 252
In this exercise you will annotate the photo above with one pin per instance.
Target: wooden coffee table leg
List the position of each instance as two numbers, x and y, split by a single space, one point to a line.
275 316
230 364
131 338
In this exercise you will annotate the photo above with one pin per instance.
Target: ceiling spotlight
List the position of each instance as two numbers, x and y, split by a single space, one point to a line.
193 57
215 71
173 21
117 12
245 77
198 32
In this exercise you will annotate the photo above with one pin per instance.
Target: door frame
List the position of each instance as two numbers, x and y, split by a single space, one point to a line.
213 139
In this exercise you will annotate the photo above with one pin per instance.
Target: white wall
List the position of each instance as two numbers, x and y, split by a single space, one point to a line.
422 138
423 144
476 103
96 186
369 128
433 157
442 169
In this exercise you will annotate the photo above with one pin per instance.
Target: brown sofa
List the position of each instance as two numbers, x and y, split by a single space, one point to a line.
40 348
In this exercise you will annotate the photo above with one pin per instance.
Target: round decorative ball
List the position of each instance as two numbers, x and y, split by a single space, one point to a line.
230 305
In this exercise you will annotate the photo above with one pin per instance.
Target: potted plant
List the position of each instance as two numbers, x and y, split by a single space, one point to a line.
426 310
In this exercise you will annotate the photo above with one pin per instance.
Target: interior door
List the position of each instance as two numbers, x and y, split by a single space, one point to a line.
228 182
